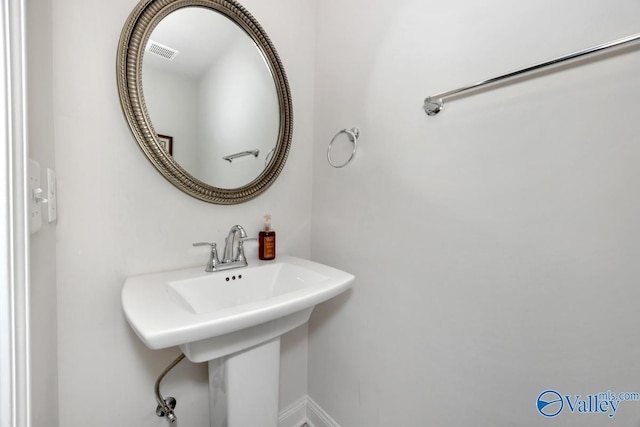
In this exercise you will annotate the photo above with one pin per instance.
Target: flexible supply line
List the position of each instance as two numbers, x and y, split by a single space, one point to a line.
165 407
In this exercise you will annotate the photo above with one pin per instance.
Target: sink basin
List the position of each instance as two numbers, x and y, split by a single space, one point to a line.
210 315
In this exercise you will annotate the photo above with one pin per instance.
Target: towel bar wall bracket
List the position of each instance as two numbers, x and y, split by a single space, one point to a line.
433 107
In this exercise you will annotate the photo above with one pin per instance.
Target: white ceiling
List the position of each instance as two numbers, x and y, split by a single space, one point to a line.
199 34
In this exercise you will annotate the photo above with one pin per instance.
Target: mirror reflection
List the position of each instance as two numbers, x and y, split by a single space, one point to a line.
208 87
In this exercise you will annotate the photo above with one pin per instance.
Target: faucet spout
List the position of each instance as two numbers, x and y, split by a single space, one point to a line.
236 233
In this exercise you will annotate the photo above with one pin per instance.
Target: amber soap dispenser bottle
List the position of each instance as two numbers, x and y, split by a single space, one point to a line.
267 241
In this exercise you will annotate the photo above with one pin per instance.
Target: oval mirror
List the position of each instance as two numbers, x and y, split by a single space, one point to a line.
206 97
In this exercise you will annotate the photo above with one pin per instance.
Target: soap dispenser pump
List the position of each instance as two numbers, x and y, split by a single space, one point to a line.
267 241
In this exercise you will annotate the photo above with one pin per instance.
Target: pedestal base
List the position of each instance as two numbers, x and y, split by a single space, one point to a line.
243 387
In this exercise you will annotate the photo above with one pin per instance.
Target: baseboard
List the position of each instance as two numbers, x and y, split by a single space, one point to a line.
317 417
295 414
304 410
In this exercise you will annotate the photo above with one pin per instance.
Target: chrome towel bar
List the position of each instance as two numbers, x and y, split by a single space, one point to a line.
435 103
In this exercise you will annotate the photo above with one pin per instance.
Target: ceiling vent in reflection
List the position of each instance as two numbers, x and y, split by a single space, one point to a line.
161 50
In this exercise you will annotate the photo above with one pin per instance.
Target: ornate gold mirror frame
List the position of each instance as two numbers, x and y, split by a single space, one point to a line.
135 35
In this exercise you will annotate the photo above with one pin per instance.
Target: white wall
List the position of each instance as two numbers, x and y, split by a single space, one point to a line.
118 217
495 246
43 334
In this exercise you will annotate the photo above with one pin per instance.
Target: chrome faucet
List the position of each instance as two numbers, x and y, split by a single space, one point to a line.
230 258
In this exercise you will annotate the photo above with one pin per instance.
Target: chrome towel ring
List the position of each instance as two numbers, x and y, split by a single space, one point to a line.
353 135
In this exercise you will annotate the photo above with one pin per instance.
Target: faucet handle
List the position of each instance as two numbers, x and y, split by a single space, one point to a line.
213 257
241 256
214 247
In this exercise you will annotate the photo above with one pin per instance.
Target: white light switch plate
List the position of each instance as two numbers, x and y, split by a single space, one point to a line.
52 204
35 213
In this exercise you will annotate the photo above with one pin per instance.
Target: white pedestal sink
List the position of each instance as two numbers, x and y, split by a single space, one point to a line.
232 319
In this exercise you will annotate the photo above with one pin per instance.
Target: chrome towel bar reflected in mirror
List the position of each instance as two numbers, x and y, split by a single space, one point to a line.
253 153
435 103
